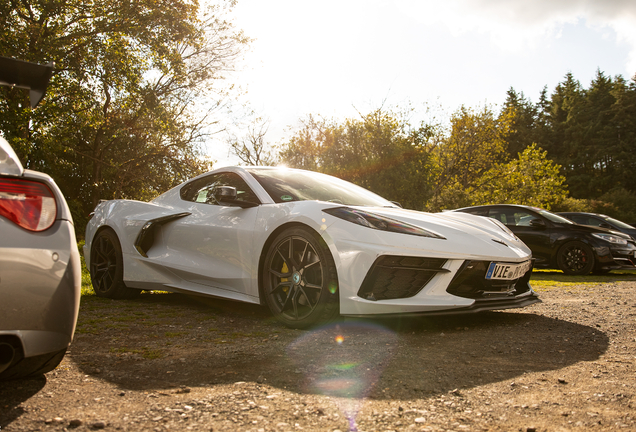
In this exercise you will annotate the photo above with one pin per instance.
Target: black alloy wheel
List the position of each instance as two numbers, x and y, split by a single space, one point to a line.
575 258
300 284
107 267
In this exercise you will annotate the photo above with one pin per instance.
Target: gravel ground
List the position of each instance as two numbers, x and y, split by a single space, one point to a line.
170 362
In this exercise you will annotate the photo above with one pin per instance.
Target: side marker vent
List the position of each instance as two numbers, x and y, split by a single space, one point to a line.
146 237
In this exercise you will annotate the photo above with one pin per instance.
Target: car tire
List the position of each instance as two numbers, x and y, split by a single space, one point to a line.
601 271
575 258
299 279
107 267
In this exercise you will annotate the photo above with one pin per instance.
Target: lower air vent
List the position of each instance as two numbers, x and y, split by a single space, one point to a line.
395 277
470 282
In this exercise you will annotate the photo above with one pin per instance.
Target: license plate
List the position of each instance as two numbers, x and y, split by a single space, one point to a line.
507 271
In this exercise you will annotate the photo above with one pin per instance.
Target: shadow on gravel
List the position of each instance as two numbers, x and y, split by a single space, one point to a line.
13 393
162 342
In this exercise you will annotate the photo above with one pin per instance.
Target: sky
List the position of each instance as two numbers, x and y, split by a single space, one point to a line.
340 58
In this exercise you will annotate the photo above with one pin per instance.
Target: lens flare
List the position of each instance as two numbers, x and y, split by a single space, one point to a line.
347 372
333 287
344 366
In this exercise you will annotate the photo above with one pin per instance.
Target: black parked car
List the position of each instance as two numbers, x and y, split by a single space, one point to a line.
600 220
557 242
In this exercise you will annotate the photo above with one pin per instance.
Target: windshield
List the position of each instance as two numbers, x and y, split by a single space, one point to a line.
618 223
555 218
284 185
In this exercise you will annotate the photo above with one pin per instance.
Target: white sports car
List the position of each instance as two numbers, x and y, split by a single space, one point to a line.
307 245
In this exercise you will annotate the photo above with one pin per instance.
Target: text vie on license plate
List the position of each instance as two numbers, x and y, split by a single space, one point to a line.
507 271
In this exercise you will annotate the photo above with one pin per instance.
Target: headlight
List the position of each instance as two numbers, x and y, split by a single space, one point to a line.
378 222
611 238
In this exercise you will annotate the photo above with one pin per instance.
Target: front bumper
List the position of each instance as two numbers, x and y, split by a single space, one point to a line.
480 305
614 258
430 286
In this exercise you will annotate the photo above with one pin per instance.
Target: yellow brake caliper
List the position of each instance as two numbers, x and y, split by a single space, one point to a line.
285 269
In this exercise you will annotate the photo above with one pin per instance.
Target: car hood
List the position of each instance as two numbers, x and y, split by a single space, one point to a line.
460 228
593 229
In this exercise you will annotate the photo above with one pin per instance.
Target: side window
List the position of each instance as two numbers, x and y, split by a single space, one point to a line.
511 217
505 216
586 220
202 190
478 212
523 219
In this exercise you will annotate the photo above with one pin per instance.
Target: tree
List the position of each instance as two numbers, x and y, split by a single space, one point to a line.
476 143
133 95
379 151
531 179
252 149
522 116
590 133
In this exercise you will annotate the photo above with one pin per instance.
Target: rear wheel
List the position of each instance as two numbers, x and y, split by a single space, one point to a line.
107 267
575 258
300 283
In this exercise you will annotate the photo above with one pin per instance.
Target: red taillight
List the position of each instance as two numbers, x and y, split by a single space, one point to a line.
29 204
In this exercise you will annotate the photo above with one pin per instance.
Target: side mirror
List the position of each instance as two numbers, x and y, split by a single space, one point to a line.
605 225
227 195
537 223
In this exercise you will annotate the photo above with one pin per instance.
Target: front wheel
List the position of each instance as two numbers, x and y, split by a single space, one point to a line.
575 258
107 267
300 282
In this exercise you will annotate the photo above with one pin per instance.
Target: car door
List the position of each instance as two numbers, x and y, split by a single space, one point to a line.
213 246
535 236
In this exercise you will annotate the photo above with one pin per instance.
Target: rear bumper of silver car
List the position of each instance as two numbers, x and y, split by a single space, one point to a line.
40 287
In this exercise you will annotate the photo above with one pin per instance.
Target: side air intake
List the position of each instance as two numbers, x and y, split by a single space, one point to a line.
395 277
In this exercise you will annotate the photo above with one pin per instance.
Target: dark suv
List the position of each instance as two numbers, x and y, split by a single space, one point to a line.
557 242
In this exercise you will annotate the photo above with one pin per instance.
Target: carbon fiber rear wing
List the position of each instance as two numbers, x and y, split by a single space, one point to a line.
32 76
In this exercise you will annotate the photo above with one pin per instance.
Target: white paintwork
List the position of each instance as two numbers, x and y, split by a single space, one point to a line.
216 250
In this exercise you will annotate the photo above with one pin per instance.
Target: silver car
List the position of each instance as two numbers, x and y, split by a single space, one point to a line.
40 277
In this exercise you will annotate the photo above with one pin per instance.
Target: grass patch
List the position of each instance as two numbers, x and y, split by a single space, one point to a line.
175 334
125 350
86 330
125 319
169 314
150 323
544 280
152 354
94 321
117 326
87 285
145 352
